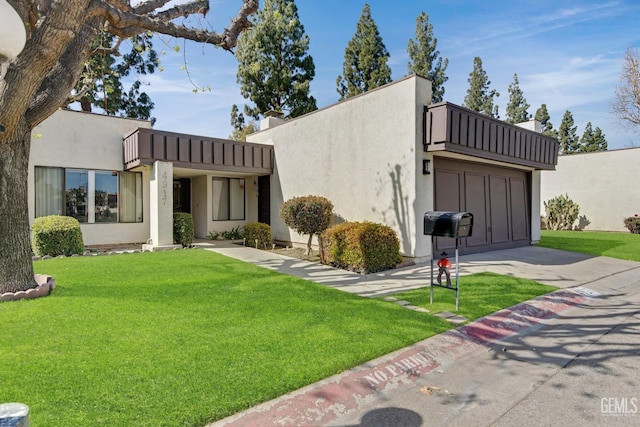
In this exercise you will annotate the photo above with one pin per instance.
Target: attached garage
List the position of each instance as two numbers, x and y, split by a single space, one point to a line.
498 197
485 166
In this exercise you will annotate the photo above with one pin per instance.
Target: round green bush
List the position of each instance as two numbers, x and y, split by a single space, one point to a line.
56 235
258 231
365 247
183 229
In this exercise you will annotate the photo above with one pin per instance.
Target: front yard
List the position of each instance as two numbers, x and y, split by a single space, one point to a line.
602 243
187 337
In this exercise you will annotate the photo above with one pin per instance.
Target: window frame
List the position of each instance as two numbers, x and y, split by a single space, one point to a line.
241 182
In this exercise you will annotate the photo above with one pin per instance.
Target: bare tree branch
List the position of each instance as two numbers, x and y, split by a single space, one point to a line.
128 24
626 104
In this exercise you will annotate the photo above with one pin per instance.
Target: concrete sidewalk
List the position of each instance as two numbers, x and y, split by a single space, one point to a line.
568 358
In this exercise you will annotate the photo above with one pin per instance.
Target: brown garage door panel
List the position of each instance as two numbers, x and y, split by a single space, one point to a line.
497 197
499 202
475 193
519 214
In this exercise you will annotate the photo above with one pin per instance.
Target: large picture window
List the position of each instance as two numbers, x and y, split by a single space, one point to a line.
89 196
228 199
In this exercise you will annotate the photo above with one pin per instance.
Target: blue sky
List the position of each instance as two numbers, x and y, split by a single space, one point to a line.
567 54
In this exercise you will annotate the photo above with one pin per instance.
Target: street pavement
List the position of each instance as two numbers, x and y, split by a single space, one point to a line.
567 358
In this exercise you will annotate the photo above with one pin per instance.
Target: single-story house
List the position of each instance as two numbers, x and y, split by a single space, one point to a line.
386 156
602 183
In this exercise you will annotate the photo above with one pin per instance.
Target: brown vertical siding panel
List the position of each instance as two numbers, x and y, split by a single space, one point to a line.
207 152
512 145
184 150
172 147
248 156
471 131
464 130
257 157
196 150
159 149
218 153
500 139
517 143
479 133
486 136
228 154
238 155
455 126
144 146
493 137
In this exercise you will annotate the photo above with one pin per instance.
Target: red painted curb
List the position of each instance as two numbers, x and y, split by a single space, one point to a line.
341 394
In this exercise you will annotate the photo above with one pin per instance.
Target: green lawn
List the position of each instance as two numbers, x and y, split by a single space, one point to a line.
480 294
183 338
614 245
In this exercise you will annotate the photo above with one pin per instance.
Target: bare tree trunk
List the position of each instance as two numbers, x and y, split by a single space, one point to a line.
16 268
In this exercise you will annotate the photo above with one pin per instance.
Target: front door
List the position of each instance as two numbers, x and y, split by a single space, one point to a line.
264 199
182 195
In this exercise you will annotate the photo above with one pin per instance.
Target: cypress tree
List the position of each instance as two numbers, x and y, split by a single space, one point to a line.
542 115
592 140
517 108
425 59
567 137
479 96
274 69
365 59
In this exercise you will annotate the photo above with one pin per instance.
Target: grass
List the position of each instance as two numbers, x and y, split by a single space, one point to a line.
480 294
183 338
615 245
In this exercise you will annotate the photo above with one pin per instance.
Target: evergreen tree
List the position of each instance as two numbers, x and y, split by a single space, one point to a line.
569 142
100 83
592 140
240 129
274 69
479 96
517 108
425 59
542 115
365 59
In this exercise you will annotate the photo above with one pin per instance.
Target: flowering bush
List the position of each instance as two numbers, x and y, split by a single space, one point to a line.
633 224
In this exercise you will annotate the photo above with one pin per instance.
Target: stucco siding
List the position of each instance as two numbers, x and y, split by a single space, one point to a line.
364 154
602 183
72 139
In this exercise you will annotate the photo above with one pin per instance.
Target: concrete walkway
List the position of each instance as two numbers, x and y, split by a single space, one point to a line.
566 358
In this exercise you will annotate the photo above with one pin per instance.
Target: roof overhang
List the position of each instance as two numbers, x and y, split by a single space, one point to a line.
455 129
145 146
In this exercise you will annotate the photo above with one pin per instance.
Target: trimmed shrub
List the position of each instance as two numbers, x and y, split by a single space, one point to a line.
308 215
562 212
364 247
56 235
259 231
633 224
183 229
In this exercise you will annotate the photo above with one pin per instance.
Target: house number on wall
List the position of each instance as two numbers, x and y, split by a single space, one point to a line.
164 188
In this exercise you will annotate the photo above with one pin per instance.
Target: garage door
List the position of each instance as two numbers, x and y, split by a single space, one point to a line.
497 197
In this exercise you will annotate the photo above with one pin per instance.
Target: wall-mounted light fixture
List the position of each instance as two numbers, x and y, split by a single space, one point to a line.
425 167
255 187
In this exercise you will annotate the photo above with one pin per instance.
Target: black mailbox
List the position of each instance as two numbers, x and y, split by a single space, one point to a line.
448 224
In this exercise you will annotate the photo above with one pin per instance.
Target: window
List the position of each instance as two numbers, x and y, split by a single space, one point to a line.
89 196
228 199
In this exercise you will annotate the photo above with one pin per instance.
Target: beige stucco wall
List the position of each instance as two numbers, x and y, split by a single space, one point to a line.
603 184
365 155
73 139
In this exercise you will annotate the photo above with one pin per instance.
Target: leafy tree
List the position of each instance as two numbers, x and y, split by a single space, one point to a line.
592 140
40 79
274 68
365 59
626 105
307 215
100 82
517 108
479 96
240 129
567 137
425 59
542 115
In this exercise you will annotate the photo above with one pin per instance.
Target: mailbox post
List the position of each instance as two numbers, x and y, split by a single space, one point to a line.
447 224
